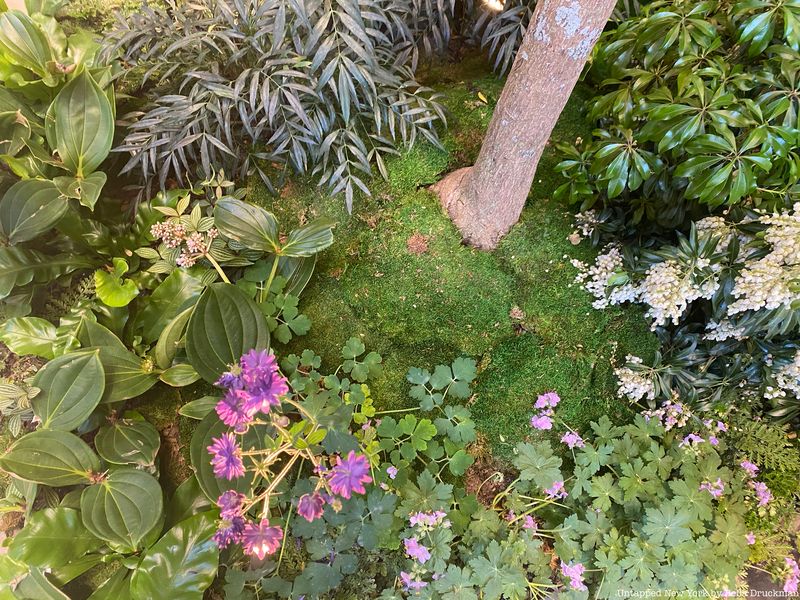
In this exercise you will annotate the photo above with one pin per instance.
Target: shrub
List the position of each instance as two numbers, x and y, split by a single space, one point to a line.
700 111
254 86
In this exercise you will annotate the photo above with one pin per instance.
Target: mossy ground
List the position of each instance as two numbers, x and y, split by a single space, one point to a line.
438 299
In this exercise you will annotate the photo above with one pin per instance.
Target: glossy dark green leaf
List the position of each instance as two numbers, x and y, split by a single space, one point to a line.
128 441
91 334
182 564
170 338
127 375
224 325
30 208
123 508
249 225
20 266
72 386
37 586
173 295
187 500
51 538
84 124
116 587
23 43
29 335
54 458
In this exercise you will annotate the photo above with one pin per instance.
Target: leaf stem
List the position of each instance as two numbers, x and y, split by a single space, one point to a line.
215 264
263 293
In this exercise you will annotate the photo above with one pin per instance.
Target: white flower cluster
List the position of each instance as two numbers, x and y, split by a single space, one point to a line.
724 330
634 384
719 227
787 379
586 222
668 290
596 279
767 283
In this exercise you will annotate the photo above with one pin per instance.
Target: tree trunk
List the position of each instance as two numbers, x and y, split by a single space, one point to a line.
485 200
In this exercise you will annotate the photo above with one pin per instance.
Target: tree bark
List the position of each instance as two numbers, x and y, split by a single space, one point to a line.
485 200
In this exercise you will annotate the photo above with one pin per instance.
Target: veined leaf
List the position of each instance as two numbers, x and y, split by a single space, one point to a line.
29 208
53 537
249 225
49 457
29 335
19 266
23 43
128 442
72 386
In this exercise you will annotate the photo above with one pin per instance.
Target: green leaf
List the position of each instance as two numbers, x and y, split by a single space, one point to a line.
665 524
127 375
309 239
172 296
251 226
90 334
29 335
54 458
19 266
187 500
23 43
128 441
224 325
198 409
90 188
116 587
181 565
111 288
536 463
51 538
72 386
179 375
170 339
460 462
84 124
604 489
30 208
36 586
123 508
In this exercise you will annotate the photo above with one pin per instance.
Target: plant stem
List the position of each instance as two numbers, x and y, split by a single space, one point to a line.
215 264
263 293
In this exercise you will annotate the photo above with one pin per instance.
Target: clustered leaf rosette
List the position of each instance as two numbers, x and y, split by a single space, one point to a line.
255 395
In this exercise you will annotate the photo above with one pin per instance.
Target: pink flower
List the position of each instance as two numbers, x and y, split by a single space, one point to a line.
310 506
429 519
529 523
349 475
716 488
226 457
411 583
547 400
230 409
750 468
416 550
391 472
556 491
762 492
790 585
229 530
573 440
575 574
751 538
261 539
541 422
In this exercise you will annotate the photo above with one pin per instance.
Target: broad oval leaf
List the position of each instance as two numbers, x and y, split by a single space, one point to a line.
309 239
198 409
29 335
50 457
29 208
249 225
173 295
182 564
72 386
224 325
51 538
84 125
128 441
179 375
127 375
187 500
168 341
23 43
124 508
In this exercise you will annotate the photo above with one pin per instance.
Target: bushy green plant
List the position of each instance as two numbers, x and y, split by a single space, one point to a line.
251 86
699 111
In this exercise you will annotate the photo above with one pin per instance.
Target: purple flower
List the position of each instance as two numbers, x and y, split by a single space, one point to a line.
261 539
411 583
762 492
230 504
750 468
227 457
721 427
310 506
547 400
790 585
349 475
691 439
262 381
429 519
575 574
715 489
713 440
231 411
529 523
391 472
416 550
556 491
751 538
573 440
541 422
230 530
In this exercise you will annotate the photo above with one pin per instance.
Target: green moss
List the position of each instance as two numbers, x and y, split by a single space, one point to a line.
399 278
